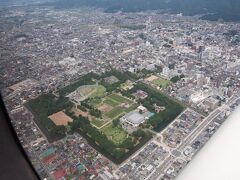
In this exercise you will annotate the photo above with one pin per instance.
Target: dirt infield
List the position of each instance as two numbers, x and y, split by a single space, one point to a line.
60 118
105 108
151 78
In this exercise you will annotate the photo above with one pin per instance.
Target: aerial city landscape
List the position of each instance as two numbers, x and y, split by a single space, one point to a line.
94 94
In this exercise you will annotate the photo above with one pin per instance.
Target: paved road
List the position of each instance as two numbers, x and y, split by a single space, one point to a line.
188 140
161 168
200 128
158 172
232 100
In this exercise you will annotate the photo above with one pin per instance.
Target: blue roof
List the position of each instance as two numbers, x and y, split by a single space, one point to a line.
150 114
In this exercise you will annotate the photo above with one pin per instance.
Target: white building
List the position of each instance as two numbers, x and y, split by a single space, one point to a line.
133 118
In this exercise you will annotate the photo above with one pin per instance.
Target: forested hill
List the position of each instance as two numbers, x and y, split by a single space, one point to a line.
9 3
227 10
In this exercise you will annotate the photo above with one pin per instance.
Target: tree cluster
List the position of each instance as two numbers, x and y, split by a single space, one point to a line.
163 118
177 78
92 110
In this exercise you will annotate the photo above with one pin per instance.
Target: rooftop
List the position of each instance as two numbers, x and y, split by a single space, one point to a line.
134 117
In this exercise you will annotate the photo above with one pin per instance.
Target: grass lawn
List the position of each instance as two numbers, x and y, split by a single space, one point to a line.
95 101
115 112
120 99
115 134
162 82
115 99
125 86
111 102
98 91
131 108
97 122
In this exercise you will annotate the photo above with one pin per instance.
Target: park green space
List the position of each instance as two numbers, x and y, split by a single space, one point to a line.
161 82
115 99
115 133
97 122
44 106
95 101
111 102
98 91
87 79
160 120
102 131
119 98
124 86
115 112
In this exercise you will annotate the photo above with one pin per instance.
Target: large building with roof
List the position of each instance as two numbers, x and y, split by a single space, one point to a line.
131 121
133 118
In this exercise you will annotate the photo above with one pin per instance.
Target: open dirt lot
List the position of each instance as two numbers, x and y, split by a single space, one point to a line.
86 90
60 118
151 78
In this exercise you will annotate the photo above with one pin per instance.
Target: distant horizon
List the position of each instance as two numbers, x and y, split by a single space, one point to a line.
223 10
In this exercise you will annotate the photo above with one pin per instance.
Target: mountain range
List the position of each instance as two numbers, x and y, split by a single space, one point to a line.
226 10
